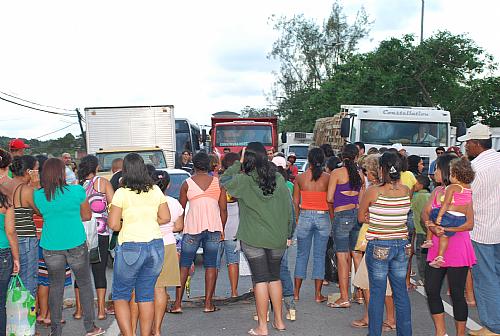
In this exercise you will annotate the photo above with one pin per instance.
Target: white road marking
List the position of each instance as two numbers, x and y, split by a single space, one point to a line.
471 324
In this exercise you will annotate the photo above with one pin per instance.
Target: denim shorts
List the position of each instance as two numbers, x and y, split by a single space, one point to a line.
345 230
264 263
137 267
448 220
210 242
227 248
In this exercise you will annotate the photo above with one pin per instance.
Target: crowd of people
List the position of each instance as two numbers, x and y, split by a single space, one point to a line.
377 209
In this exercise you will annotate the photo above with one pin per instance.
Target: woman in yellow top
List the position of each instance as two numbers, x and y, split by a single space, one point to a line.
139 253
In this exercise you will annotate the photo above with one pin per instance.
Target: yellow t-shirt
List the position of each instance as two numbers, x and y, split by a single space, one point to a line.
139 214
408 179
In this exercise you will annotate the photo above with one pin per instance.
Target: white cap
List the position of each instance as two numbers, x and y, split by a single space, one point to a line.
476 132
279 161
398 146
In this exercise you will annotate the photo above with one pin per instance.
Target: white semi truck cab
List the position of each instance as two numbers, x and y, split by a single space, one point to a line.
419 129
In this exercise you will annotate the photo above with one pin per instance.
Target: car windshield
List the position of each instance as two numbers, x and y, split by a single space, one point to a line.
300 151
241 135
156 158
176 181
381 132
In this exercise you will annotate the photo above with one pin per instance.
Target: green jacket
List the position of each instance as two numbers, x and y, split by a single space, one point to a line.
418 202
266 221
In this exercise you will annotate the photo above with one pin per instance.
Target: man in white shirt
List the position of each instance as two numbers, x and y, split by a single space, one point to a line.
70 175
486 233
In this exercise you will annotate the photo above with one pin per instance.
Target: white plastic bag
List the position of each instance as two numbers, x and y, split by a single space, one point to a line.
20 305
91 231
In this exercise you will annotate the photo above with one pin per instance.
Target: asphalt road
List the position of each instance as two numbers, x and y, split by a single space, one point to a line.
236 318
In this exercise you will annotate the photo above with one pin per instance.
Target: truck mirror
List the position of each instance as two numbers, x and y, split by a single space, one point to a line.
204 137
283 137
345 127
461 129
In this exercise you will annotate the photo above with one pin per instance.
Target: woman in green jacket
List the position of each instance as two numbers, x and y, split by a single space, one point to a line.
265 226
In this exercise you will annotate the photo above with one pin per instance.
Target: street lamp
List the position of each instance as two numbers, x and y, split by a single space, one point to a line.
422 22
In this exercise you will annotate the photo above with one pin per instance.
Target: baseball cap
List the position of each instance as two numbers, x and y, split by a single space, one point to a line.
398 146
476 132
279 161
17 144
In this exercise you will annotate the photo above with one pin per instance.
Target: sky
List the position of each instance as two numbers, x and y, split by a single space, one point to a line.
200 56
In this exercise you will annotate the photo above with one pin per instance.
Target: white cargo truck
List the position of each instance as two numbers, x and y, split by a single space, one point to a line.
297 143
113 132
419 129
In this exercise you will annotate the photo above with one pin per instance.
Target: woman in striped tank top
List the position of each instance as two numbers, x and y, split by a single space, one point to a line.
385 208
23 167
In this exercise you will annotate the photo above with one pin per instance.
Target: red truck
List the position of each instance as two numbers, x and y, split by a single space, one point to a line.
231 134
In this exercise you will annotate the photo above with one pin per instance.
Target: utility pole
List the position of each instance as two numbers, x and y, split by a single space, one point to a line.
422 22
81 128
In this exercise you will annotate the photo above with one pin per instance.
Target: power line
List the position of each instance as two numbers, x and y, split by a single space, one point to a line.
31 102
34 108
60 129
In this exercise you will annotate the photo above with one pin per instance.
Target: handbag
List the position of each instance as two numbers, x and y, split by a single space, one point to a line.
331 270
362 242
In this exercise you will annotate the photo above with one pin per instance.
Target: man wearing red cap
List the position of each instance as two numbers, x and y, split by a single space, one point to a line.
17 147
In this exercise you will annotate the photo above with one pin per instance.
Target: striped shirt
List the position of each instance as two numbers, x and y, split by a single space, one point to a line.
25 226
388 217
486 198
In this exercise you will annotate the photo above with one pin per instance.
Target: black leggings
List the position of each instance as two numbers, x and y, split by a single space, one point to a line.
456 279
99 269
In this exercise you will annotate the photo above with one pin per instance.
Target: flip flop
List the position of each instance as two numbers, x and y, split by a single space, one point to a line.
77 317
359 324
387 327
253 332
345 304
275 327
322 300
211 310
171 311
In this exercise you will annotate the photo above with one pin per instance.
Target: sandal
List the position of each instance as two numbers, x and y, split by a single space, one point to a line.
359 324
427 244
388 327
345 304
96 331
438 262
171 311
77 316
253 332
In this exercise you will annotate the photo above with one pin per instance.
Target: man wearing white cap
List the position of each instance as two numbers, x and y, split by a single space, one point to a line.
486 233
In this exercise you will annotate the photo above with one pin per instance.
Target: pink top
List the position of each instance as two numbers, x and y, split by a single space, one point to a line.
176 211
460 252
204 212
463 197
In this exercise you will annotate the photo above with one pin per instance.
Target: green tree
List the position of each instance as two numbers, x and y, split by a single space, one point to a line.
448 71
309 53
254 112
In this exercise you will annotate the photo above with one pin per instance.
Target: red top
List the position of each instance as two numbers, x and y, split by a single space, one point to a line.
313 200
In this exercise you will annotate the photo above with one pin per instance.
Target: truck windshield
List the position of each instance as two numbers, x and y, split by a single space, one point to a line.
241 135
156 158
300 151
408 133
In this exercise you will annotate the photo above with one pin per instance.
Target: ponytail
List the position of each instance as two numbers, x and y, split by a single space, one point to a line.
316 160
349 154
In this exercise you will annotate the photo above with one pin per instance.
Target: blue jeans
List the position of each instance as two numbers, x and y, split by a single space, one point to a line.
5 272
313 227
137 267
28 260
486 274
345 230
210 242
285 277
387 258
227 248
